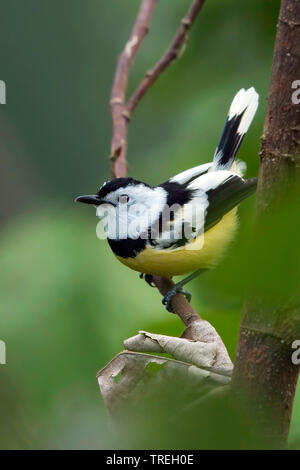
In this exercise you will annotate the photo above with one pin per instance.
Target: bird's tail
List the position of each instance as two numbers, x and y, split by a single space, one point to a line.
240 115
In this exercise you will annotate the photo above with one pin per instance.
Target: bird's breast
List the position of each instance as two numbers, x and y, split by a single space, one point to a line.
202 252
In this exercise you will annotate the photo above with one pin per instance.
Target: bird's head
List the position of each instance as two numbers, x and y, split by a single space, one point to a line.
127 205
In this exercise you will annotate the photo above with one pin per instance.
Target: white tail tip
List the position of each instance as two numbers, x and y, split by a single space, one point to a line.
246 102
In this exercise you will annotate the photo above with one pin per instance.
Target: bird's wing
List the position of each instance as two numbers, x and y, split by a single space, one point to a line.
224 191
211 196
188 176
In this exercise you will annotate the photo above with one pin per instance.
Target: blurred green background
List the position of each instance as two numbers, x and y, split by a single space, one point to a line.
66 303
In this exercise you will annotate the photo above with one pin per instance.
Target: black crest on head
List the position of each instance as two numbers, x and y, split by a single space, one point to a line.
117 183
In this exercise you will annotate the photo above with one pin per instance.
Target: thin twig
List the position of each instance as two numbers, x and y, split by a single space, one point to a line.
171 54
118 93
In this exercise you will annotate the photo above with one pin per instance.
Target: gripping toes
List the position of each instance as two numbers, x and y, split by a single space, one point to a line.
148 278
167 299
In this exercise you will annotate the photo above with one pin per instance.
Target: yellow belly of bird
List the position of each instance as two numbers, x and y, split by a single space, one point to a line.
203 252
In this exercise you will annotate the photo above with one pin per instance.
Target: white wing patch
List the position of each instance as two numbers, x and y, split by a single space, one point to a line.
192 173
210 180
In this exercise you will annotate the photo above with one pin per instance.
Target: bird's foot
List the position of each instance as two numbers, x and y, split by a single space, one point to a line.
177 289
148 278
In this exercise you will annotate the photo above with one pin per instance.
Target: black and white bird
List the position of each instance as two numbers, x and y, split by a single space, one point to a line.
184 224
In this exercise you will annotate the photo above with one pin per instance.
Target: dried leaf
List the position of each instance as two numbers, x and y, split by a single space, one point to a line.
193 352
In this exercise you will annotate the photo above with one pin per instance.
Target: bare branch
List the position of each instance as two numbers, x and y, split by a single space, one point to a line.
118 93
197 329
264 373
171 54
179 303
120 111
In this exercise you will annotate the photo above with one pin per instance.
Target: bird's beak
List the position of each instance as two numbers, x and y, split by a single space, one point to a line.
90 199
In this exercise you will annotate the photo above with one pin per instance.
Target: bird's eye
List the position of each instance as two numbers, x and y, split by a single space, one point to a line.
123 199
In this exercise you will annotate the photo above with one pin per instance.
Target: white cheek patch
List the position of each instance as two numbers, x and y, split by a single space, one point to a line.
131 219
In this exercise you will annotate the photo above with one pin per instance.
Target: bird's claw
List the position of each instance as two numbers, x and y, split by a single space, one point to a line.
148 278
167 299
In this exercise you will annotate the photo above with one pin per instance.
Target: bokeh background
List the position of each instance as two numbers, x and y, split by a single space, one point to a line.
66 304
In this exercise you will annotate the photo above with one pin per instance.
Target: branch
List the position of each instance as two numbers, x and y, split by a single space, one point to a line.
197 329
118 93
120 111
264 372
171 54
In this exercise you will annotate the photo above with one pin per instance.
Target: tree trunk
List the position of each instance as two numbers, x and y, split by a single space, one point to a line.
264 372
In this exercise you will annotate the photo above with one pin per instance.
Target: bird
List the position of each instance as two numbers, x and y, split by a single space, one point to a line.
184 224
